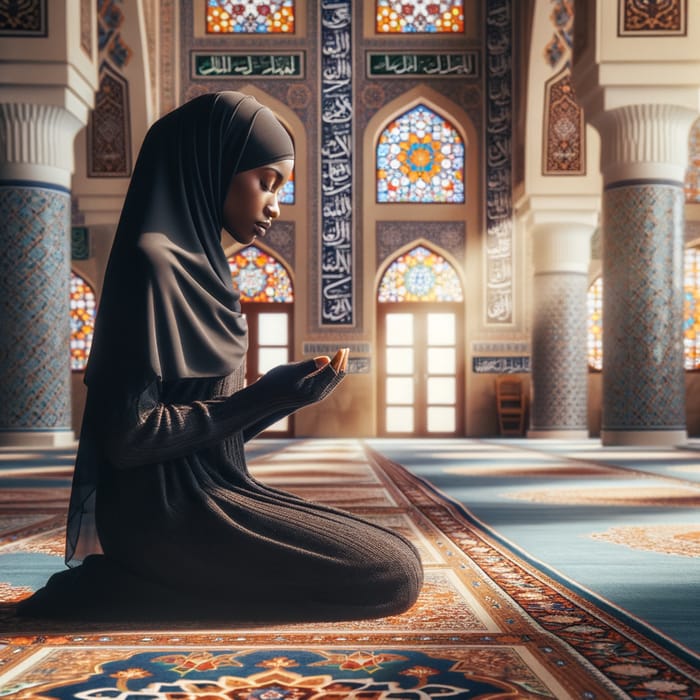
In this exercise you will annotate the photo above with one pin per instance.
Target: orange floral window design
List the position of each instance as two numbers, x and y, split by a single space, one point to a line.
420 158
226 17
691 315
82 321
420 275
691 309
260 277
692 176
419 16
595 324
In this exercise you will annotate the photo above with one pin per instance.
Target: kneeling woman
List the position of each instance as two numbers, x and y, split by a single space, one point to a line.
165 520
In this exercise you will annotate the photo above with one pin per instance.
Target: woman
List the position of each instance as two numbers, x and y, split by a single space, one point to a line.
165 520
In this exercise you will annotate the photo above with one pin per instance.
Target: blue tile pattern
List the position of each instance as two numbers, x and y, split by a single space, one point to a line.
643 378
34 315
559 369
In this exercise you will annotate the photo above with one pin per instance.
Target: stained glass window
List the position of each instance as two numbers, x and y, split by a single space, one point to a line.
420 275
595 324
691 309
419 16
692 177
82 321
420 158
225 17
286 195
259 277
691 315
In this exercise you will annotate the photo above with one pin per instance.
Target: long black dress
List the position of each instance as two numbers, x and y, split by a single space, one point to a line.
165 520
188 533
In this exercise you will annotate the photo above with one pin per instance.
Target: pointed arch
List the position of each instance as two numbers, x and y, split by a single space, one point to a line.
420 157
83 307
419 271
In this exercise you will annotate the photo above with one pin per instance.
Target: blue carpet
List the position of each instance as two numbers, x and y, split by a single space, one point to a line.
499 481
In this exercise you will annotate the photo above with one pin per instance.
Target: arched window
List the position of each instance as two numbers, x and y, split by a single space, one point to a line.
259 277
419 16
225 16
595 324
420 340
420 275
82 321
691 309
691 315
420 158
692 176
267 298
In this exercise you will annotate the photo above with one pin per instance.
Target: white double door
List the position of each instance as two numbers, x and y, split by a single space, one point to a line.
421 369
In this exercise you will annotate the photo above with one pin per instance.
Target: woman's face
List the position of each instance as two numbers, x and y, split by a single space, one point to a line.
251 203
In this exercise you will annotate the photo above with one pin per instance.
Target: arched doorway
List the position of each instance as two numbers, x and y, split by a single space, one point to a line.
267 300
421 348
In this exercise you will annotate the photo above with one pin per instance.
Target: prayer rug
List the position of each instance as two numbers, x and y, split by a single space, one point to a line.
488 624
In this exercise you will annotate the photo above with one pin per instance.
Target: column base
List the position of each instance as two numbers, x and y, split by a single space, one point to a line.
557 434
37 438
643 438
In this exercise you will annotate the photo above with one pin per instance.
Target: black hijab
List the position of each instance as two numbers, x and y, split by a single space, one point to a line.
168 309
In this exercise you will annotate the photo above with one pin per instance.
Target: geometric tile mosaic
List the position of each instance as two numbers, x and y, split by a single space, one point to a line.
25 19
34 282
658 18
643 307
559 373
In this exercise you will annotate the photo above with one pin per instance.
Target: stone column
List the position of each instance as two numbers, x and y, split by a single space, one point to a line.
36 159
559 405
644 157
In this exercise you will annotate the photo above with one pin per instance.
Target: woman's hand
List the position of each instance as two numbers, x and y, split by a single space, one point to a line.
306 382
339 361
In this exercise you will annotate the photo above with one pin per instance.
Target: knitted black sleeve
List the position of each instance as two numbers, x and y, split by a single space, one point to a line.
152 431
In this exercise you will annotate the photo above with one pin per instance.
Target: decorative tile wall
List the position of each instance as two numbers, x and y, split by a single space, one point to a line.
658 18
559 368
27 18
34 289
643 377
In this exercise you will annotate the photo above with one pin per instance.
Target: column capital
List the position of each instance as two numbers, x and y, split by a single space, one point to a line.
561 247
534 210
644 141
36 143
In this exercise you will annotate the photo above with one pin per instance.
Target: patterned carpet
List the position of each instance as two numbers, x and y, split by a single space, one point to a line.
488 624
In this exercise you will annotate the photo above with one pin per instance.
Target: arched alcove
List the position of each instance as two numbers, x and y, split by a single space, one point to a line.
420 353
267 300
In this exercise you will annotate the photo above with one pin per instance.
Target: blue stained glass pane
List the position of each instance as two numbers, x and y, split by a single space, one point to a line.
420 275
420 158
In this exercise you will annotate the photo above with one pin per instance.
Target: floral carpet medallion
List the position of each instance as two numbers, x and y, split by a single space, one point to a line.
488 624
277 674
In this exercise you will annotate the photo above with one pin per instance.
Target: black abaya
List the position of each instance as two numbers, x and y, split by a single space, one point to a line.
165 520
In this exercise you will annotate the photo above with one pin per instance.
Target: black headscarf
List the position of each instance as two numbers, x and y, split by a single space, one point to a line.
168 309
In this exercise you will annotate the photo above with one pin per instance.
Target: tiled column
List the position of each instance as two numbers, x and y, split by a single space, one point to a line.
644 157
561 253
36 159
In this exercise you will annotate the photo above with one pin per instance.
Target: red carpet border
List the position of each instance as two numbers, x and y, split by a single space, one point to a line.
487 625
